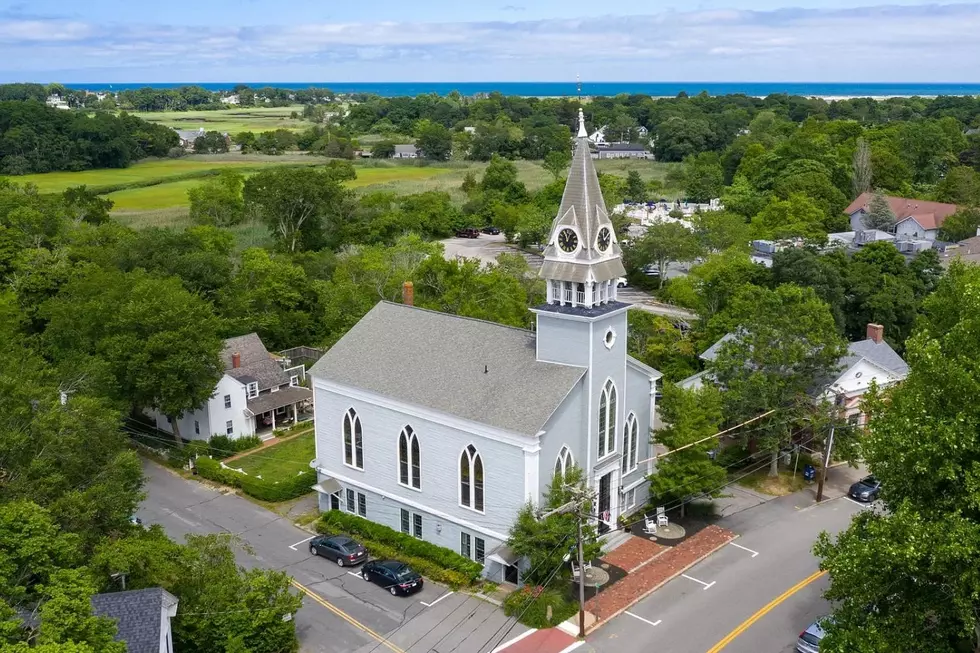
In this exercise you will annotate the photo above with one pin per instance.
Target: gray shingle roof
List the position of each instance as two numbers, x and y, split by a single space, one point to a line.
879 353
583 208
272 400
138 615
476 370
711 353
256 363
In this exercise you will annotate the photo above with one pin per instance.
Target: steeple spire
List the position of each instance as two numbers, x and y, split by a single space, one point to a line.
582 259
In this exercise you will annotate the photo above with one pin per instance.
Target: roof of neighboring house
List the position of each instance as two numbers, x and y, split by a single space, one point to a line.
272 400
476 370
879 353
138 615
189 134
406 149
711 353
968 251
256 365
925 212
628 147
927 221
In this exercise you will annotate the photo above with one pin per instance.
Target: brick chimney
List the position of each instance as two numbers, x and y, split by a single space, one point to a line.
408 293
236 360
876 332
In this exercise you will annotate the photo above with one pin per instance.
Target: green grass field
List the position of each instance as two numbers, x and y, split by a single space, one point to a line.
280 461
256 119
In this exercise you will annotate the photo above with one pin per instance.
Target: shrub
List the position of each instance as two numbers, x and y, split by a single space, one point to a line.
735 456
530 606
258 488
401 546
221 446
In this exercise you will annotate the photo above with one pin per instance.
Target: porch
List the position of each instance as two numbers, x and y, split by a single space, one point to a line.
280 409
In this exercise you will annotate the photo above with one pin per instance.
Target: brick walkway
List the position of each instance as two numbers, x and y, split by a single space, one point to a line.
668 564
633 553
552 640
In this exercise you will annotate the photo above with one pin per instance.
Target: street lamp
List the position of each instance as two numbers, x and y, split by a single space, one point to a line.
830 441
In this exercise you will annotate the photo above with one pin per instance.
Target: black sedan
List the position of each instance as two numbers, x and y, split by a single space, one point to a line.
396 577
339 548
493 231
865 490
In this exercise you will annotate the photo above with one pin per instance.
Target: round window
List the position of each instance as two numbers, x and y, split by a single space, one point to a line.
610 339
858 375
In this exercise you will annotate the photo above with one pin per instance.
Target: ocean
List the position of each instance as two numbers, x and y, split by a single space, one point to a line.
559 89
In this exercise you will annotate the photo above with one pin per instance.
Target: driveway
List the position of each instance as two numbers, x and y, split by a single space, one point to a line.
753 596
341 613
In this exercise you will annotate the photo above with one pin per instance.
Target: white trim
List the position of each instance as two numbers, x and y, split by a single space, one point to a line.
588 402
458 423
643 367
413 504
410 460
579 318
631 450
355 420
635 484
559 459
459 479
602 391
532 476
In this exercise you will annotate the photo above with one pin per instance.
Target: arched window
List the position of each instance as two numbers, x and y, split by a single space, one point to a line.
409 459
607 419
631 441
564 462
471 478
353 442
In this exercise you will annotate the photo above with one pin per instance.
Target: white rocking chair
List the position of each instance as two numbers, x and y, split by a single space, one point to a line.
576 572
649 525
661 516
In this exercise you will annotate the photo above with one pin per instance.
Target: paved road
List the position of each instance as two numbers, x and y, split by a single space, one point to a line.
486 248
696 613
345 614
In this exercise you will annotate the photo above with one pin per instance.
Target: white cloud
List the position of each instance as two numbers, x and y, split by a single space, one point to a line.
880 42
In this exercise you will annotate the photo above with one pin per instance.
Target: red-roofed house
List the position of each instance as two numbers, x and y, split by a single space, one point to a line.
914 218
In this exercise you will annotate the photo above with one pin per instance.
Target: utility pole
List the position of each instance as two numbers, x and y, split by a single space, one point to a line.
828 448
576 506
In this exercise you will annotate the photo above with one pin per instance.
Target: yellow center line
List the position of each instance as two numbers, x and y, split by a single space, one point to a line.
346 617
745 625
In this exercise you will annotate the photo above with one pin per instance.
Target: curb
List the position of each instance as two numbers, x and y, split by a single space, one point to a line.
601 622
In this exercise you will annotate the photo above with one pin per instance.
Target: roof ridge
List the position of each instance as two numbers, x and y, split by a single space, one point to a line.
455 315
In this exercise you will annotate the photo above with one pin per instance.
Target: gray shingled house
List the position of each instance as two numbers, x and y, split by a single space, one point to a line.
142 618
443 426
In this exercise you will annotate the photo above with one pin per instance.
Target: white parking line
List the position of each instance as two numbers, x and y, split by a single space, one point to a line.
652 623
511 642
754 553
353 573
706 585
293 546
856 502
429 605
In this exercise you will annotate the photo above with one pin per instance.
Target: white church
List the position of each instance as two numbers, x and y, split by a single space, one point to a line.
443 427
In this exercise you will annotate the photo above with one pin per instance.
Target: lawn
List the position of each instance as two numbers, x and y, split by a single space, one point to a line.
785 483
232 121
283 460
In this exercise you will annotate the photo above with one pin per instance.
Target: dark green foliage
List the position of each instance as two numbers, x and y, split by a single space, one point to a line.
38 138
211 143
530 604
961 225
221 446
402 546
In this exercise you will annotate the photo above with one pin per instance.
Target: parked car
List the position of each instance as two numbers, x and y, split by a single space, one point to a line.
651 270
809 641
493 231
866 490
396 577
621 282
468 233
339 548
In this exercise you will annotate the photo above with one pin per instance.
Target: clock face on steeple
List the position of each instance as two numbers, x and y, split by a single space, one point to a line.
604 239
567 240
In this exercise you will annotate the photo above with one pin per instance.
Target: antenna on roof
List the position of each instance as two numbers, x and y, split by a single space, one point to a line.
486 369
578 84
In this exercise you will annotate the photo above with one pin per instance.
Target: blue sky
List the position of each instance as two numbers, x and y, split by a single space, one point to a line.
509 40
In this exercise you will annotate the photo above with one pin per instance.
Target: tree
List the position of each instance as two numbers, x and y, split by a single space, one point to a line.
296 203
636 189
434 142
383 150
704 177
961 185
721 230
546 542
861 169
159 342
795 217
219 202
806 268
781 341
689 416
661 344
879 215
913 563
211 143
668 242
222 605
84 205
961 225
556 162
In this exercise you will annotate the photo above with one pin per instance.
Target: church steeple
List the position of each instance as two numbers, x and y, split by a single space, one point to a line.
582 259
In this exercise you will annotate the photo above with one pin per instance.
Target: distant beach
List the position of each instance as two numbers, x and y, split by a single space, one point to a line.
826 90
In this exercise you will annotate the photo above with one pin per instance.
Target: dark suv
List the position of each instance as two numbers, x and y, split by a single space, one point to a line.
339 548
468 233
396 577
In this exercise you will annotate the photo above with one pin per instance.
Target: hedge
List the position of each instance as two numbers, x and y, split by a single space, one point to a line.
530 606
221 446
436 562
260 488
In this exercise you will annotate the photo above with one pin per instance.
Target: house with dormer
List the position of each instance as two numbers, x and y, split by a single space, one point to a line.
444 426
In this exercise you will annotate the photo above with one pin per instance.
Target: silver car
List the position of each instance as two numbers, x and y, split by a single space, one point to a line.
809 641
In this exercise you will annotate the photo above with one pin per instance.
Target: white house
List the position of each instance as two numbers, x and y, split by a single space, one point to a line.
255 393
914 219
142 618
408 151
871 359
443 426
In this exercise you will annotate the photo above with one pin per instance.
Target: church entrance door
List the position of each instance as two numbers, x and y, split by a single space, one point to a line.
605 503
